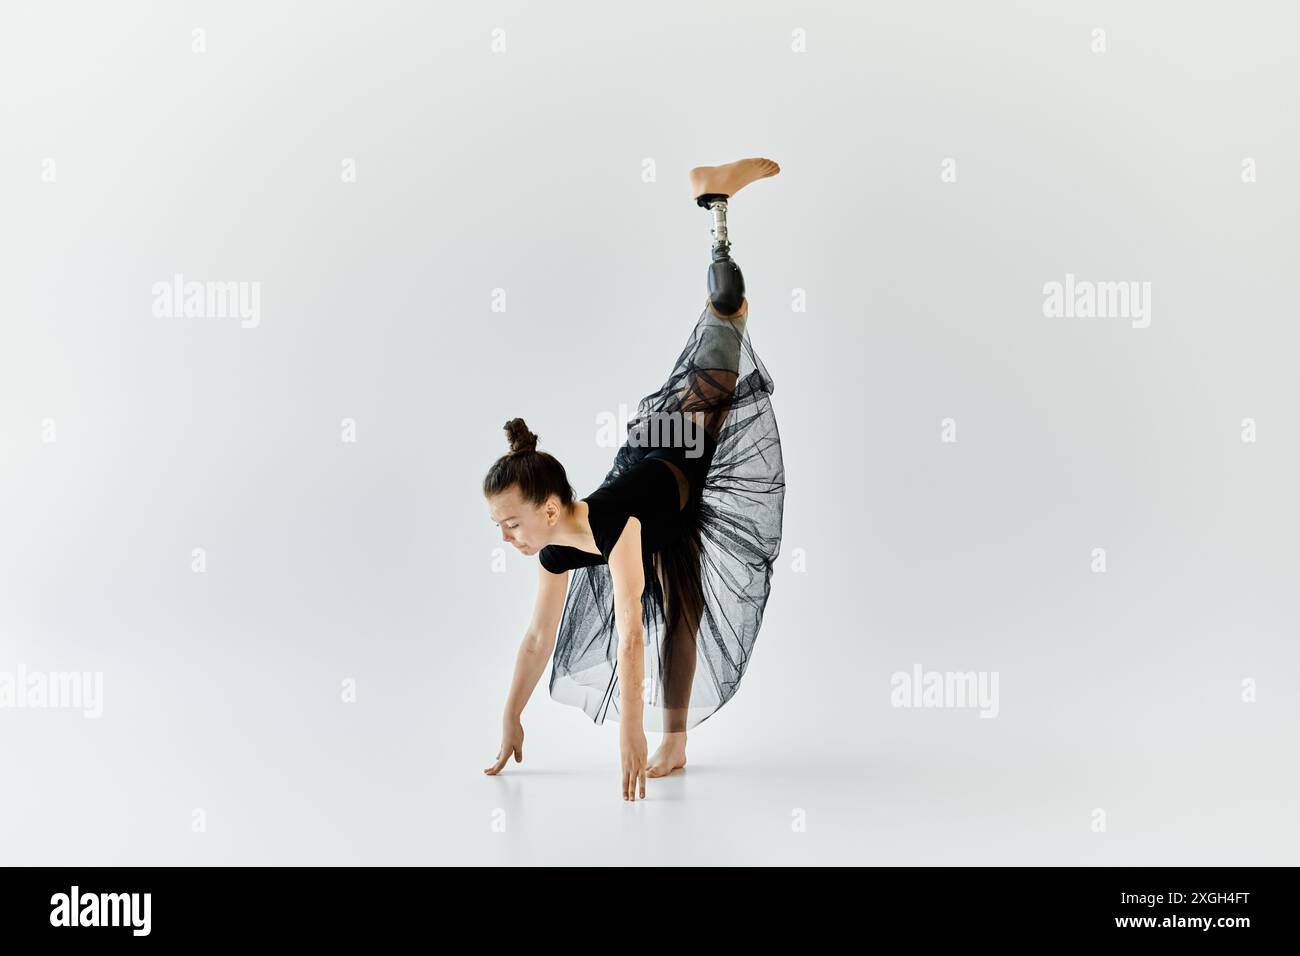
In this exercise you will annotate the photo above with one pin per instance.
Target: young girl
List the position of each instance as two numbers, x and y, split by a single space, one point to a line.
673 551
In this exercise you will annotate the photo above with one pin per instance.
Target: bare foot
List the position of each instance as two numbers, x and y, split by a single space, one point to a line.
670 756
730 178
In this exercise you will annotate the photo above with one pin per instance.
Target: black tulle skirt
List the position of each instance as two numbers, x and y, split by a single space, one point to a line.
706 589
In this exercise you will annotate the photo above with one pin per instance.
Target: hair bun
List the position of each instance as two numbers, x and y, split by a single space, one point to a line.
521 439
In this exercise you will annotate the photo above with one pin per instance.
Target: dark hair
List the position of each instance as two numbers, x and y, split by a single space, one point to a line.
538 474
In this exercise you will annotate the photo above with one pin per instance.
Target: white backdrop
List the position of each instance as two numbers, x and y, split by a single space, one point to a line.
239 520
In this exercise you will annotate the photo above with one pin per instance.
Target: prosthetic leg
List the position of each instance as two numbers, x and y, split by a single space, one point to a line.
714 366
726 284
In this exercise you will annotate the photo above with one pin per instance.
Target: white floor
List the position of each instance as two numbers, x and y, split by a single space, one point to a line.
343 790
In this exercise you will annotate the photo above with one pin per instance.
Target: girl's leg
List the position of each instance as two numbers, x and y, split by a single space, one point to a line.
705 400
726 284
678 668
705 396
712 186
680 649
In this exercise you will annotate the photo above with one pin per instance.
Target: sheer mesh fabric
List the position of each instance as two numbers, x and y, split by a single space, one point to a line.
705 590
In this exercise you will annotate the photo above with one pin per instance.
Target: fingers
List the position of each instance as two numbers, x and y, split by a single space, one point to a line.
633 778
503 757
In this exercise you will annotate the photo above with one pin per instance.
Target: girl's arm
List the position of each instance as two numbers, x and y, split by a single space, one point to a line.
534 651
628 576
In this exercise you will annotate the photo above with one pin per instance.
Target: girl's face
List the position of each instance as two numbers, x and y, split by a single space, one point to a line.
522 524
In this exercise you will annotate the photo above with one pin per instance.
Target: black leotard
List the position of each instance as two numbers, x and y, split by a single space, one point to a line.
647 490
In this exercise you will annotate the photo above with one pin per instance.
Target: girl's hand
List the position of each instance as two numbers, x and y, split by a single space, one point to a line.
512 742
636 758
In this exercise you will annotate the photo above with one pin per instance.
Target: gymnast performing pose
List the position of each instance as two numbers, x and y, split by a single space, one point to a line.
651 589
